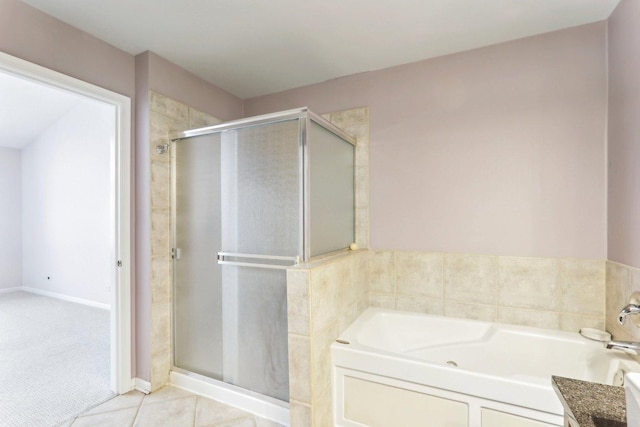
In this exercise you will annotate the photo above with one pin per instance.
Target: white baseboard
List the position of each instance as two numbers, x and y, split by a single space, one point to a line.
66 297
7 290
142 385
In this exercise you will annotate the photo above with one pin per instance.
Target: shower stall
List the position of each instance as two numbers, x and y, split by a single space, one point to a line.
250 199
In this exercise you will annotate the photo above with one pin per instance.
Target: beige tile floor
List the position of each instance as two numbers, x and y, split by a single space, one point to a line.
170 407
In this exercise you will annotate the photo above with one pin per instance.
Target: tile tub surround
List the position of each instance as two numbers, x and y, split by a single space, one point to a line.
622 281
552 293
322 300
166 117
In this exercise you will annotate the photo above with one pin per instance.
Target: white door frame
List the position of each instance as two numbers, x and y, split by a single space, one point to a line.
121 378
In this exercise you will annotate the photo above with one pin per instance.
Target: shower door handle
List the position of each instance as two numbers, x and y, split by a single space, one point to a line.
223 259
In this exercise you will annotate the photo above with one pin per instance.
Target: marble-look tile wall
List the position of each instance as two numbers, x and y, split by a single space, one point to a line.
165 117
622 281
550 293
355 122
323 298
322 301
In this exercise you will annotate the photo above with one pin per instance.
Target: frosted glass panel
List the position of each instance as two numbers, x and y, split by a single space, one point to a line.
197 277
255 319
238 192
260 216
261 190
332 220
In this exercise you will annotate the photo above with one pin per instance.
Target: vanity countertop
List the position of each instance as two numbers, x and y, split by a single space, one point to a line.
590 404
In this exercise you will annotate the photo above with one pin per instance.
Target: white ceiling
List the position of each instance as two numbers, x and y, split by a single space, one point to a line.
256 47
28 108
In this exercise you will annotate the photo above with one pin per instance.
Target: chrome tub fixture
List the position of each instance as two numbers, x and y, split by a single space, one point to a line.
628 310
630 347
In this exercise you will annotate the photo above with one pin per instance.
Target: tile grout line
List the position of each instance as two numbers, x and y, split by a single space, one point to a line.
135 418
195 411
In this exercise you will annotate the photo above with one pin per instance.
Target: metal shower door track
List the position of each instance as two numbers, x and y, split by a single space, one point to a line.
281 116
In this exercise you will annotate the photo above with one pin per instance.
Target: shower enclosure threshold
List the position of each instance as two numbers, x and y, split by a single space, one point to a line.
256 403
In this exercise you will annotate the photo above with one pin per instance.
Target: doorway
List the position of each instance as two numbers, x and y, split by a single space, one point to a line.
118 273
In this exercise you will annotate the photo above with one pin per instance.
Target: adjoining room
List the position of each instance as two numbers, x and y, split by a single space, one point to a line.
55 228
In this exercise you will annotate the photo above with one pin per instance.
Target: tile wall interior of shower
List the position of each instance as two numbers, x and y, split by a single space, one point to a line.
166 117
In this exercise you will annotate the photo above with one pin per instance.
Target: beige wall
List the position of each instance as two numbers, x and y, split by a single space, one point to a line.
499 150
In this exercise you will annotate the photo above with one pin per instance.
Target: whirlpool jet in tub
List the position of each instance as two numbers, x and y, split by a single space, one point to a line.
394 368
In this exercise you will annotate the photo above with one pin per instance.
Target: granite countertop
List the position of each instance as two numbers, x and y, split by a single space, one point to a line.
591 404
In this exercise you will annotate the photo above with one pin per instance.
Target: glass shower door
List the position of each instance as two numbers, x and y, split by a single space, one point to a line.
230 319
198 345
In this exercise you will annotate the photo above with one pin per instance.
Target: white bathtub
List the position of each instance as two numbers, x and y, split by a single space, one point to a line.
408 369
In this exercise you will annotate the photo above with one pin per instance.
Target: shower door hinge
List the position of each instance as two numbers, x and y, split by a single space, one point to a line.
119 263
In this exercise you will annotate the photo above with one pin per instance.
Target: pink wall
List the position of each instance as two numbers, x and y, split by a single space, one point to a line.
175 82
499 150
34 36
624 133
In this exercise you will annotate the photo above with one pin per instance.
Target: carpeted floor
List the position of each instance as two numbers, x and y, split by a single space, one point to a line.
54 359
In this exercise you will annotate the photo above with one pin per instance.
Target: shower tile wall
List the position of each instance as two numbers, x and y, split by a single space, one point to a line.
166 116
355 122
550 293
323 300
622 281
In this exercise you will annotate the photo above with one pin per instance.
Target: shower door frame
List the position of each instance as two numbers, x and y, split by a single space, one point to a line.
266 406
304 117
